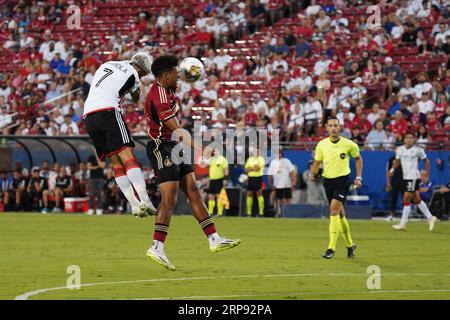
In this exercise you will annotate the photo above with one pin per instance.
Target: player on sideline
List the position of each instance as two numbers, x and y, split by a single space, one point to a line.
109 133
335 152
408 156
161 110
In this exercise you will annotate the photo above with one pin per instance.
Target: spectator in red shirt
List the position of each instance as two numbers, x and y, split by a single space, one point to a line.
237 67
363 124
305 29
277 78
250 117
440 107
398 126
432 122
131 117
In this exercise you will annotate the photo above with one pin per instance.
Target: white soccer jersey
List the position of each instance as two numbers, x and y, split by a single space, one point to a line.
111 81
409 159
280 170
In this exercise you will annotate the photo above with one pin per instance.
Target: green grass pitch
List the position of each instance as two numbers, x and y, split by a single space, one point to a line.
278 259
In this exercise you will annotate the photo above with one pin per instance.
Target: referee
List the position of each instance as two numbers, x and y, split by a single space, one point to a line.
335 152
218 177
254 166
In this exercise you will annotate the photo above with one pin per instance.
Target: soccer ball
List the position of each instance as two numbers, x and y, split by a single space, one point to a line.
243 178
191 69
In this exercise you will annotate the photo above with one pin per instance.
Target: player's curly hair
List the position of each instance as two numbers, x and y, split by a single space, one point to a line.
163 64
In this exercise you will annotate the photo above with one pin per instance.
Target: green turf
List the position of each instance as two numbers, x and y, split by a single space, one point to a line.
278 259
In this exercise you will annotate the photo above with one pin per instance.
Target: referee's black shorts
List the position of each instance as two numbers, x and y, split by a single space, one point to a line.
108 132
167 166
254 183
337 188
215 186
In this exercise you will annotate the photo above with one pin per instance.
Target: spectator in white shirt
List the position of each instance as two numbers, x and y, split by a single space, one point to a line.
237 16
398 30
323 21
442 34
68 123
358 93
25 40
209 60
164 18
339 19
423 86
201 20
407 89
218 109
322 64
313 114
296 121
425 104
374 115
49 52
313 9
209 94
5 118
222 60
279 61
302 84
259 103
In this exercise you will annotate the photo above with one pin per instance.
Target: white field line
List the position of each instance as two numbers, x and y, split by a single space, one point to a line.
294 293
26 295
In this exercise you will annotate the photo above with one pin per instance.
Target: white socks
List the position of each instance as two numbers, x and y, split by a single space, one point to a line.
424 209
124 184
158 245
136 177
405 214
214 238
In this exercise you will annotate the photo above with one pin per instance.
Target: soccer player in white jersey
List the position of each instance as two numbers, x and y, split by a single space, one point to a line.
409 155
109 133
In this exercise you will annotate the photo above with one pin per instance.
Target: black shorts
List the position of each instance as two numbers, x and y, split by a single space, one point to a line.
108 132
284 193
337 188
254 184
215 186
411 185
166 167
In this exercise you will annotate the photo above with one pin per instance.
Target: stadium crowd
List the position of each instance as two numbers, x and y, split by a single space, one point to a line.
324 62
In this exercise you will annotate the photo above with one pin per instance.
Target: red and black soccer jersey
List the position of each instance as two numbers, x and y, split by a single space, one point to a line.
161 105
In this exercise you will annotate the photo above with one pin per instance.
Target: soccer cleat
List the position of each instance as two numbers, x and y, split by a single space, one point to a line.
399 227
99 212
160 257
90 212
351 251
328 254
432 222
146 209
44 211
56 210
223 244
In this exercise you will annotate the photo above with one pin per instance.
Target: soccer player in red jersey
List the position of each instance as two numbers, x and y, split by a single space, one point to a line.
173 171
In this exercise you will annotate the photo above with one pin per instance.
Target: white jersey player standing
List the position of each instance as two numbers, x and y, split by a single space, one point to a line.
109 133
409 155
